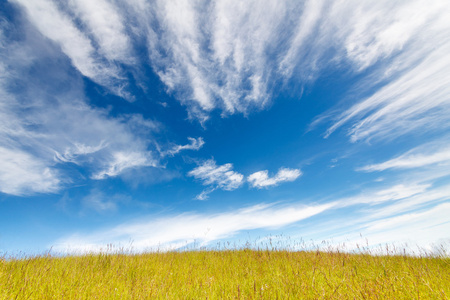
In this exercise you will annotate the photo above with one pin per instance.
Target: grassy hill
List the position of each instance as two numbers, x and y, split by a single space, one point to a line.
232 274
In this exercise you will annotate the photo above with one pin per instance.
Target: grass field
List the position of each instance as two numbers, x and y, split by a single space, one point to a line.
229 274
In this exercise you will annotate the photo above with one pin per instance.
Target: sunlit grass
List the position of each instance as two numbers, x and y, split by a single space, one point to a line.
226 274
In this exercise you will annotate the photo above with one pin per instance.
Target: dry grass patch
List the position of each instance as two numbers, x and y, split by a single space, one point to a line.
231 274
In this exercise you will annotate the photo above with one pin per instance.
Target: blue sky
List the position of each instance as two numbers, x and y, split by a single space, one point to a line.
165 124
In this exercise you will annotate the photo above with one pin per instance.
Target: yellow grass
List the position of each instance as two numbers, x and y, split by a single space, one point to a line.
229 274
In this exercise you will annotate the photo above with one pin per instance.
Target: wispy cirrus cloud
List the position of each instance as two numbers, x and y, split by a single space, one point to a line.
230 56
46 124
105 24
195 144
418 233
218 68
385 194
181 230
410 217
23 173
400 107
412 59
421 156
261 179
296 38
123 160
56 140
404 215
406 212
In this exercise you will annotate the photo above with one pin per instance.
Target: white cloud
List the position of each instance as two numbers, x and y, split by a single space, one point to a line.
195 144
106 24
406 216
400 106
22 174
103 147
72 153
407 40
383 28
261 179
411 219
422 181
123 160
418 157
44 128
231 55
217 176
218 67
303 39
183 229
386 194
60 28
406 227
250 45
410 203
418 233
222 176
204 195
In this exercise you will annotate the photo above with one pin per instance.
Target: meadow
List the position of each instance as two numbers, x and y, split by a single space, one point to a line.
226 274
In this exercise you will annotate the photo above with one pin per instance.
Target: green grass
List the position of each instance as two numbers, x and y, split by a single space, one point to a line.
226 274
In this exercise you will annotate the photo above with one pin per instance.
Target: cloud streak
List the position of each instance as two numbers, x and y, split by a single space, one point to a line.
22 174
401 217
195 144
413 62
261 179
46 125
231 56
216 68
181 230
415 158
59 27
399 42
123 160
417 233
106 24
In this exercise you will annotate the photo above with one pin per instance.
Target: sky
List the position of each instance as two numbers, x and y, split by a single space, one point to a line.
185 124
